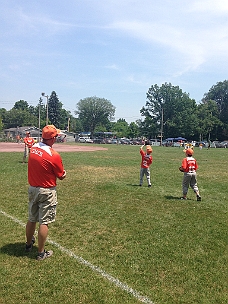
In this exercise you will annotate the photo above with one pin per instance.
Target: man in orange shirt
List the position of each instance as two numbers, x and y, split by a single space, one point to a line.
44 167
28 141
189 167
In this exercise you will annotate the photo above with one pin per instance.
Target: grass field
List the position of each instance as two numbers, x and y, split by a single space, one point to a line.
115 242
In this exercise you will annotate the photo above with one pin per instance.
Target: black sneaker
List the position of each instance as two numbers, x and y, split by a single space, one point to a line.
198 198
28 248
149 186
43 255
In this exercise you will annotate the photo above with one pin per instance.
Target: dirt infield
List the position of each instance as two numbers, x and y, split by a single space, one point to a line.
14 147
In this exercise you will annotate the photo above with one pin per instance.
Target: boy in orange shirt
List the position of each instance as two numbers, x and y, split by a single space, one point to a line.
189 167
145 164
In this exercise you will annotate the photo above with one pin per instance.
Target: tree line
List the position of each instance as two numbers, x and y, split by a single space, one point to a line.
168 112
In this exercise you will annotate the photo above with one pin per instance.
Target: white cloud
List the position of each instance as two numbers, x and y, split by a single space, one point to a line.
18 21
165 36
218 6
135 80
112 67
193 31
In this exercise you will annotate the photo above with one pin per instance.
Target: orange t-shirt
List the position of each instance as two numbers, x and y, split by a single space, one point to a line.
189 164
44 166
146 159
29 141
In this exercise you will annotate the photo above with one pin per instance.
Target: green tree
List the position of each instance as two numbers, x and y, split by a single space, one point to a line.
2 117
19 115
100 128
1 123
148 127
219 93
21 105
208 120
75 125
133 130
54 109
94 111
169 111
40 110
121 128
65 117
15 117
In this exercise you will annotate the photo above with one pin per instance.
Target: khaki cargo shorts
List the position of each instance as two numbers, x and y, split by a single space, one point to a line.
27 151
42 204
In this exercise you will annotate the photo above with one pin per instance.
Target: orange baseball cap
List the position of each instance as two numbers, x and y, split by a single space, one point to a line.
189 151
49 132
149 149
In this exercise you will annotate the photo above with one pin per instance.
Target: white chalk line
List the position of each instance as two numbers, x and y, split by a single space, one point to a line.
115 281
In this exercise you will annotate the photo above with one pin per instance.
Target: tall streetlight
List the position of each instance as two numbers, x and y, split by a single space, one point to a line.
68 125
162 124
39 123
43 94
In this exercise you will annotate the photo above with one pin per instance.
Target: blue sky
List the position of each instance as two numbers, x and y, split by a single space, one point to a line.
110 49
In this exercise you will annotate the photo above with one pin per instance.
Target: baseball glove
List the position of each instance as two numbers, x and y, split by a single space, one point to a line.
181 169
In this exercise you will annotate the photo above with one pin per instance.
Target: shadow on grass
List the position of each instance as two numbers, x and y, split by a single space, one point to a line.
169 197
137 185
18 250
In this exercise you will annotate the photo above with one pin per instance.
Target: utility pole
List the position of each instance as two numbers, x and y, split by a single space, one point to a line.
43 94
39 124
162 122
68 125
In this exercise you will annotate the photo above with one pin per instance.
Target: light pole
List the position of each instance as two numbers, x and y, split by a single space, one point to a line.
39 124
162 124
43 94
68 125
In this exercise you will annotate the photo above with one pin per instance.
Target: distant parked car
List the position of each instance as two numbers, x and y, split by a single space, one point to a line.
108 141
176 144
82 139
223 144
99 141
125 141
167 143
217 144
114 141
136 142
88 140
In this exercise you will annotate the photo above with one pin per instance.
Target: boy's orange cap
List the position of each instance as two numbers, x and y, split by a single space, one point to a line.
149 149
189 151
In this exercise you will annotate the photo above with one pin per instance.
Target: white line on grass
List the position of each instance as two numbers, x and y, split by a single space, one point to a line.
117 282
